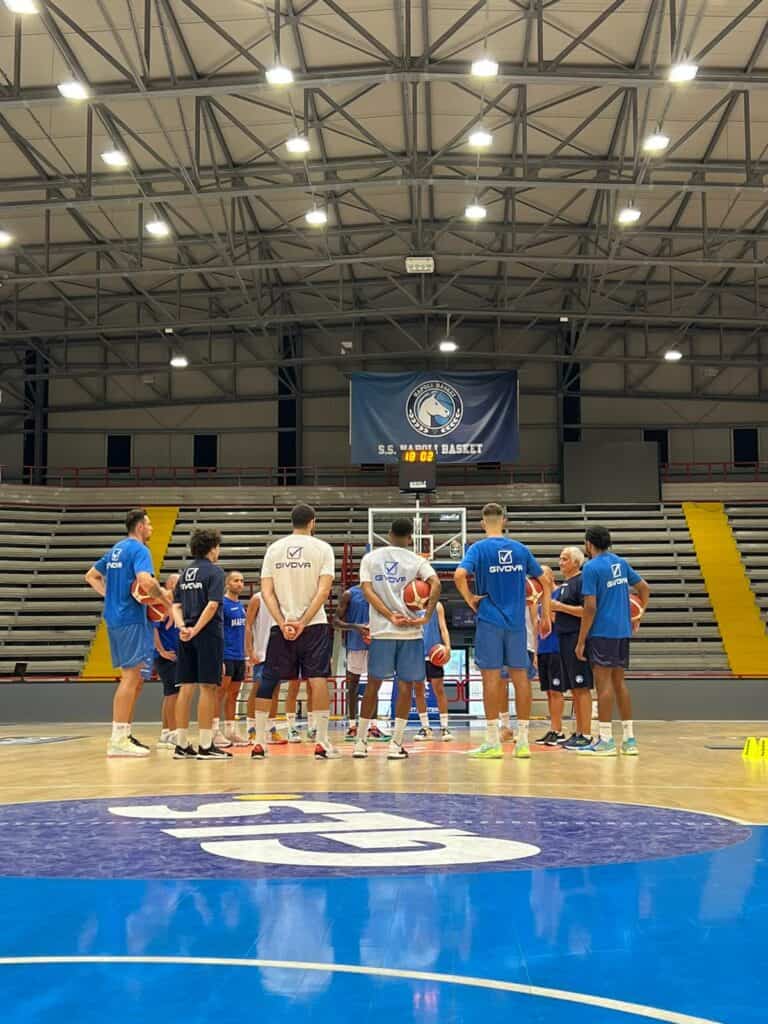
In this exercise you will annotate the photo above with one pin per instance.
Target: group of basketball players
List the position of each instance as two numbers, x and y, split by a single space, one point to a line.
578 632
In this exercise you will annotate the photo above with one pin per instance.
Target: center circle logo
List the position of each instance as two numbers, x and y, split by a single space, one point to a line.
434 408
290 835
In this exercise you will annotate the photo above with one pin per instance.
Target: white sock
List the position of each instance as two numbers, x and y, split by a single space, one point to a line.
229 726
164 734
362 728
215 725
424 719
291 720
606 731
443 721
321 724
492 733
250 723
398 732
504 719
206 738
272 725
629 730
260 727
522 732
120 730
182 738
311 720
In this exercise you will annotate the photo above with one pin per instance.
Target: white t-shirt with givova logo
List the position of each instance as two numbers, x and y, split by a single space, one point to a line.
388 569
295 565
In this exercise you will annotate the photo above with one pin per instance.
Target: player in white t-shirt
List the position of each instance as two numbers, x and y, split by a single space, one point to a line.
296 579
397 645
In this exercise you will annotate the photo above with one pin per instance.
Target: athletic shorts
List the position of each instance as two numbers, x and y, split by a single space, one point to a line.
131 645
575 674
434 671
235 669
257 672
167 673
200 659
357 662
307 657
550 673
496 647
532 669
608 651
403 658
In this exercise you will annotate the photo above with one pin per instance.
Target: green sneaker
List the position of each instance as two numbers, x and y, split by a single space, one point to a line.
629 747
523 751
602 748
486 752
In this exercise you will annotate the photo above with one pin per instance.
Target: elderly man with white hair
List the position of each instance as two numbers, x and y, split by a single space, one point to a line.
576 675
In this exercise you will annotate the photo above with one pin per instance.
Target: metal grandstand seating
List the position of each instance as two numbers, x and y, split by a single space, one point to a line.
750 528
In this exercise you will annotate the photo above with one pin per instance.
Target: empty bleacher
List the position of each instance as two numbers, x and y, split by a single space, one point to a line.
750 528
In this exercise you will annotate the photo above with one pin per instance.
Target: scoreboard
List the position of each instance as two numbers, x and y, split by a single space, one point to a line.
418 470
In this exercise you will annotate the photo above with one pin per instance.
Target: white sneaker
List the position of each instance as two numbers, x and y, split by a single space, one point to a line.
326 752
361 749
396 752
166 742
424 734
294 736
446 735
124 748
220 740
236 739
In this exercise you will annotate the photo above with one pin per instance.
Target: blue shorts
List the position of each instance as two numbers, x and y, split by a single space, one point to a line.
496 647
132 645
403 658
257 671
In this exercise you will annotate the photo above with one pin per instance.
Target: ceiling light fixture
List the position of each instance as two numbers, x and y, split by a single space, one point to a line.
628 214
447 345
115 158
167 330
316 218
298 144
279 75
73 90
480 138
420 264
6 239
655 143
22 6
563 319
158 228
485 67
475 212
673 355
683 71
178 361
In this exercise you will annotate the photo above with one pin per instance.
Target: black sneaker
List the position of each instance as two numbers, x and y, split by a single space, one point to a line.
138 743
182 753
546 739
213 754
565 739
556 739
578 742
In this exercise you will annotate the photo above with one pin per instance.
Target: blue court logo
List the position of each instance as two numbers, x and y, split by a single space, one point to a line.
434 408
339 834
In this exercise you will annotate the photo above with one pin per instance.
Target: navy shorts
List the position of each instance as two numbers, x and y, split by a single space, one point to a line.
200 659
167 672
575 674
132 645
307 657
550 673
434 671
235 669
403 658
496 647
608 651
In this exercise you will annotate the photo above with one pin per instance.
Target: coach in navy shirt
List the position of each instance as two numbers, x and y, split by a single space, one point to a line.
604 634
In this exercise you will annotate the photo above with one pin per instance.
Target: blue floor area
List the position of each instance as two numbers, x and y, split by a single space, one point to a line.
678 926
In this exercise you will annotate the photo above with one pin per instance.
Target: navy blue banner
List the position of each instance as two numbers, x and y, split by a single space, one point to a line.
463 417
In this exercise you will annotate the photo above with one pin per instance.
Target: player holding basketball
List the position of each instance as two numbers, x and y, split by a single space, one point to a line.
296 580
131 635
234 662
500 566
604 636
397 644
568 606
198 599
435 632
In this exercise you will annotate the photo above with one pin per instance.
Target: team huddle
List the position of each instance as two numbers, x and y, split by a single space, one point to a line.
394 627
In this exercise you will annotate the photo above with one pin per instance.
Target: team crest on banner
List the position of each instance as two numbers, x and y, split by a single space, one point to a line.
462 417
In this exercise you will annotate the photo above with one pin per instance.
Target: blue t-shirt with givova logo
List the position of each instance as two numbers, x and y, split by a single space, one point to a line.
608 578
500 566
234 630
119 567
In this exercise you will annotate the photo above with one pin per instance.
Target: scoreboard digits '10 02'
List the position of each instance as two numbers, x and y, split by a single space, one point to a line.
428 455
418 470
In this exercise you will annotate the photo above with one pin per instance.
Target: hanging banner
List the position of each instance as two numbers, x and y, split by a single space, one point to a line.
462 417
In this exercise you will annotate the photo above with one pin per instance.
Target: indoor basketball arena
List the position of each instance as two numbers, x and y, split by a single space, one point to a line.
382 408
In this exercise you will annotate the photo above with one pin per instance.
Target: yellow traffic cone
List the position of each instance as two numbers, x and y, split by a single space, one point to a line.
752 749
764 748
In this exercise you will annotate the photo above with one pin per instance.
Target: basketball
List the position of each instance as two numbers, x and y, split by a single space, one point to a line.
533 590
438 655
416 594
635 608
156 611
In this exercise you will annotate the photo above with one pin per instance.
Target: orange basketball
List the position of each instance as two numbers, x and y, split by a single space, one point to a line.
416 594
438 655
635 608
533 590
156 610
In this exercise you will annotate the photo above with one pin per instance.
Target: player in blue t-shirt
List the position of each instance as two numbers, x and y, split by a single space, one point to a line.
435 632
234 616
604 635
352 619
130 633
551 677
166 655
500 566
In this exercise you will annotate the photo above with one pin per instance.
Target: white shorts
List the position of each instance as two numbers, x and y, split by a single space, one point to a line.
357 662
